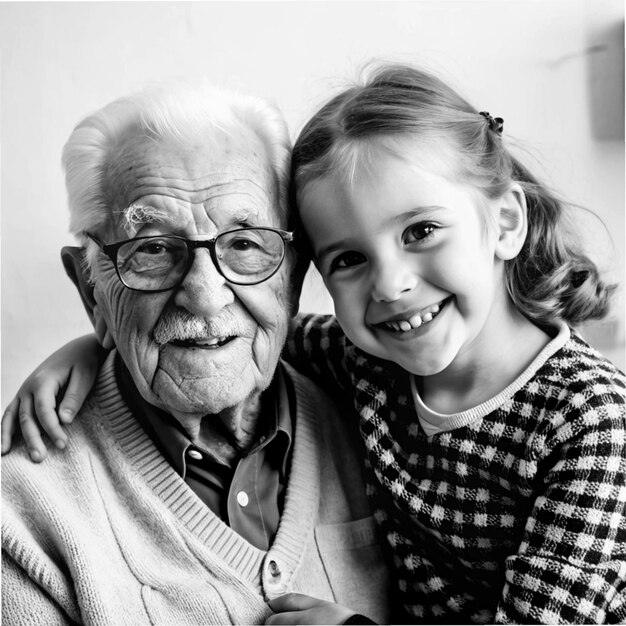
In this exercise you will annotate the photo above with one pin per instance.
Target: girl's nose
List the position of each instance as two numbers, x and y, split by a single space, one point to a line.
392 280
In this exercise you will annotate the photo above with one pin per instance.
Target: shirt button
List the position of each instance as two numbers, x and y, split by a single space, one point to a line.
274 569
194 454
242 498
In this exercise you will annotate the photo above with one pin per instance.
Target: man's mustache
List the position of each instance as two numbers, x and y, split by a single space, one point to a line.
177 324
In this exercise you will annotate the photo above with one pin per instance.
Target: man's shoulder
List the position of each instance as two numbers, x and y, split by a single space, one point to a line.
17 466
88 438
310 394
335 416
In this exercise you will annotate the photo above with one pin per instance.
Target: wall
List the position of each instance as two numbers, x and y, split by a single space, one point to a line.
551 69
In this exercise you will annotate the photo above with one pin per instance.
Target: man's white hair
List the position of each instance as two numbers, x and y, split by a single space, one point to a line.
179 111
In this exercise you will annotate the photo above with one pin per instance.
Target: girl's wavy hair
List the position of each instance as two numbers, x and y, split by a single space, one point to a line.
551 278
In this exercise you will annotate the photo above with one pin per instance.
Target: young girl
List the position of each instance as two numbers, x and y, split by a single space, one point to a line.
495 435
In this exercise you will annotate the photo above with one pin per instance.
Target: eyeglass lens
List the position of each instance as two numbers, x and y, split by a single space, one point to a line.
244 256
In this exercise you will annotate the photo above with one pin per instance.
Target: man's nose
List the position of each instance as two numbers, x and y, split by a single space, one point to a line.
392 279
204 291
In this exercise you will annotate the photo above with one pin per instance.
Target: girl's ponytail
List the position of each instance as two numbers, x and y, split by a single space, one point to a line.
552 278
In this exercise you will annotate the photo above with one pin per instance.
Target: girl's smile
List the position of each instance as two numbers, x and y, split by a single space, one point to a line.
407 322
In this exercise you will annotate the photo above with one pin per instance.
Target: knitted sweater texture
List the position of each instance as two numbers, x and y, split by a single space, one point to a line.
516 513
106 532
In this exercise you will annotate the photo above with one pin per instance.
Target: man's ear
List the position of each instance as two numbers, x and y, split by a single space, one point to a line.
512 219
74 263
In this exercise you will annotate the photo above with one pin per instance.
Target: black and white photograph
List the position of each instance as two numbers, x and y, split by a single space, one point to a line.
312 312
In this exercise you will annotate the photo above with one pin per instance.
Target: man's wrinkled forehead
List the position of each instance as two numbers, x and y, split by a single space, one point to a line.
241 213
211 171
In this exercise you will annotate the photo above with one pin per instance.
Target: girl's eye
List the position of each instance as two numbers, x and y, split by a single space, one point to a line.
346 260
419 232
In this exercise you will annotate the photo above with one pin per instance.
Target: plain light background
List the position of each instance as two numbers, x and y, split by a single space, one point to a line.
553 69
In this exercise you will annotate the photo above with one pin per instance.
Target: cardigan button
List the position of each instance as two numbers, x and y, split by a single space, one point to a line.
274 569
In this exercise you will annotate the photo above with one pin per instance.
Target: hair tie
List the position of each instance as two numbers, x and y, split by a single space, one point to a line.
578 278
495 123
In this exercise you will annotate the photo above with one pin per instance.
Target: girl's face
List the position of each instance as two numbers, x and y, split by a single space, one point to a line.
415 273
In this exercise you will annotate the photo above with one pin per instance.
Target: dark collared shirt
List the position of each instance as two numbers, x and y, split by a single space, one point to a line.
247 496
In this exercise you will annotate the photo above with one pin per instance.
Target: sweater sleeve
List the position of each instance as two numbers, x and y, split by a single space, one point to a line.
24 602
571 563
318 348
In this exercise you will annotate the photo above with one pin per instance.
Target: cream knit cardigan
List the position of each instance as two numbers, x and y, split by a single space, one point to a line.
106 532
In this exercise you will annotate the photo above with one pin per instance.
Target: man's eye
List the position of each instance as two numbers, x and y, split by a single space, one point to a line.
346 260
153 248
243 244
419 232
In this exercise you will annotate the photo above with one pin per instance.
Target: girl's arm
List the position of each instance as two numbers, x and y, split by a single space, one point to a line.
318 348
570 567
52 395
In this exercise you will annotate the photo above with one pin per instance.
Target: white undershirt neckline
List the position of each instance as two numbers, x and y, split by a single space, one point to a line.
434 423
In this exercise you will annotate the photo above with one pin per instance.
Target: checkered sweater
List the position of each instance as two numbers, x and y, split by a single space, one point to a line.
516 516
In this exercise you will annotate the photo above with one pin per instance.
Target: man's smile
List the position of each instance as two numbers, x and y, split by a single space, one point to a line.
206 344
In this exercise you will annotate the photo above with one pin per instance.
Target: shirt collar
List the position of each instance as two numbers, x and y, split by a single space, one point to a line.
169 436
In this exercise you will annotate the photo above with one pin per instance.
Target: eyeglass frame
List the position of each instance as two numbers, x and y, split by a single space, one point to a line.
111 250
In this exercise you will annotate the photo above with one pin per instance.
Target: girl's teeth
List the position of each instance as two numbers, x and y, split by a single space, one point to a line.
415 321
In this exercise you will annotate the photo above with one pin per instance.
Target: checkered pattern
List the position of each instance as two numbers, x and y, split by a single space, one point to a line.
517 517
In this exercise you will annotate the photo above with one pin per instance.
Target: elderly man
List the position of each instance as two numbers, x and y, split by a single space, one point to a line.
203 477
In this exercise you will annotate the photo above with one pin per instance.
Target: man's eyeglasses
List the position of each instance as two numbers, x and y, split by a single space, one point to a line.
245 256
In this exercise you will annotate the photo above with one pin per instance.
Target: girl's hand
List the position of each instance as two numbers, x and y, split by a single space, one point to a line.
297 608
52 395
